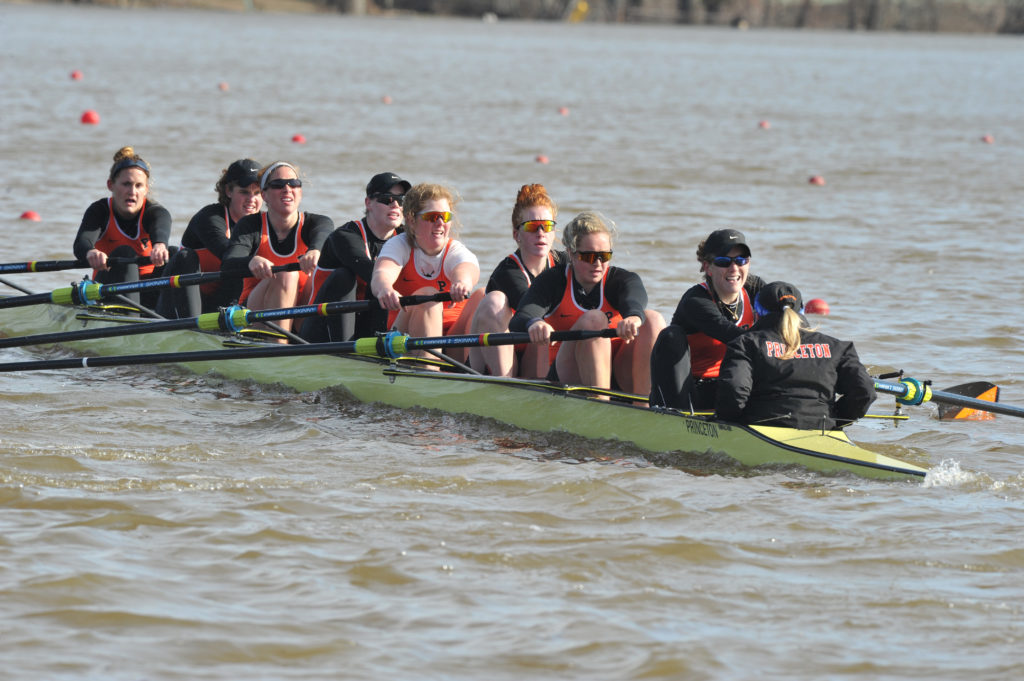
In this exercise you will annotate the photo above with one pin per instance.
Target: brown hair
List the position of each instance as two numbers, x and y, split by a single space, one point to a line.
531 195
127 158
587 222
419 195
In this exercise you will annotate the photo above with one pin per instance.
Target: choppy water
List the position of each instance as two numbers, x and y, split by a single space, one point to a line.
158 525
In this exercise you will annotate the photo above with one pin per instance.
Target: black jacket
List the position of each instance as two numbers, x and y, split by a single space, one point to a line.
755 386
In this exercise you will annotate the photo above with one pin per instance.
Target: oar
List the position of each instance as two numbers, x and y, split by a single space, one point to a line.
57 265
86 292
980 390
390 345
911 391
232 318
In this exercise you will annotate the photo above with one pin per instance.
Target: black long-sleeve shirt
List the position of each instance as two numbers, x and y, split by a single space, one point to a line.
623 290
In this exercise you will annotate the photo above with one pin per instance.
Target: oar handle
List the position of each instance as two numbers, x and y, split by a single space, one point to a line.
58 265
911 391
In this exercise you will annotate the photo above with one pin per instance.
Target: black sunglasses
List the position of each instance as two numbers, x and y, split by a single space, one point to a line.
386 198
281 184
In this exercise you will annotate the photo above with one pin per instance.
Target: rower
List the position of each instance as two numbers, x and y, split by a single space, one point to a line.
590 294
346 264
280 235
784 373
533 230
427 259
127 224
207 237
688 354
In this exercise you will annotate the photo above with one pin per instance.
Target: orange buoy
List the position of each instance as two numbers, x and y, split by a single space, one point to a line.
816 306
30 215
988 139
299 139
76 75
764 125
817 179
541 158
224 87
90 117
386 99
563 110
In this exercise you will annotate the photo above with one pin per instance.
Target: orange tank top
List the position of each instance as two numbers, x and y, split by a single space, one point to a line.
113 237
320 275
410 280
568 311
208 262
266 250
707 353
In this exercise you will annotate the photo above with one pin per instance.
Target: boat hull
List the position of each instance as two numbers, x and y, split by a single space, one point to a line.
532 405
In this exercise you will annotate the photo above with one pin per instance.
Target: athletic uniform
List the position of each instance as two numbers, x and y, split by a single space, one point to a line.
208 235
756 386
620 294
512 278
700 328
116 236
253 235
343 274
420 270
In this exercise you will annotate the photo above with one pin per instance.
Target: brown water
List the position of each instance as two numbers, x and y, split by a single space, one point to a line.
159 525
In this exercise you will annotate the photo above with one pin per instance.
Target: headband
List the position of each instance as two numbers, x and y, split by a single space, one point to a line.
272 168
129 163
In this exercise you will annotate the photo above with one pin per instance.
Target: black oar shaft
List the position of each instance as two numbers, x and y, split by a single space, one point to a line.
900 390
58 265
390 345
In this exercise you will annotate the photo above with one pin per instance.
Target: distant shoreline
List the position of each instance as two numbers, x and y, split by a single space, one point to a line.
934 16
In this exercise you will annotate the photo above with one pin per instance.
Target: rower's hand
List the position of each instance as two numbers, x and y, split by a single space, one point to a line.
460 291
389 299
540 332
628 328
97 259
159 255
308 261
260 267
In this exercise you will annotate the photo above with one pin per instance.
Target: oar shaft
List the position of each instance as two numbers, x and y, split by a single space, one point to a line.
493 339
58 265
901 390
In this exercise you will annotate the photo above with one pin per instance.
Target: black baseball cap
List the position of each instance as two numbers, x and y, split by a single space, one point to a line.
721 241
383 182
778 295
243 172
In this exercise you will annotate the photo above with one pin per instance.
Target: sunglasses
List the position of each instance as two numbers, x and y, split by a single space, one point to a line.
594 256
725 261
281 184
537 225
435 215
386 198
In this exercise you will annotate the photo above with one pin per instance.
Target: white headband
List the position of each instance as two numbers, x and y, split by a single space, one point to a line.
271 169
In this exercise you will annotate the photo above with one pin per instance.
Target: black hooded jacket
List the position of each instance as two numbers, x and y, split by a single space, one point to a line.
755 386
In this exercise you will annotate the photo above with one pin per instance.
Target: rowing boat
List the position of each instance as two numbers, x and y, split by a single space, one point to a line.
529 404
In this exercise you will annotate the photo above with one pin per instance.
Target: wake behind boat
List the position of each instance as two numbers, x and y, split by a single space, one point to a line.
403 382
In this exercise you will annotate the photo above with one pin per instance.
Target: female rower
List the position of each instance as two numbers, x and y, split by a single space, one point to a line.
784 373
709 315
207 237
125 226
346 264
533 230
590 294
427 259
280 235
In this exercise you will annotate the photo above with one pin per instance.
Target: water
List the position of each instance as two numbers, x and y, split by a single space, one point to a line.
159 525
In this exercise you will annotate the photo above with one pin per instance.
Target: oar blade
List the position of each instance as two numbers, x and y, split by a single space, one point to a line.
979 390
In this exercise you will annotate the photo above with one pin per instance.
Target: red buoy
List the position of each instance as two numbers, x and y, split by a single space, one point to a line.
299 139
386 99
76 75
563 110
30 215
817 179
816 306
764 125
541 158
988 139
90 117
224 87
